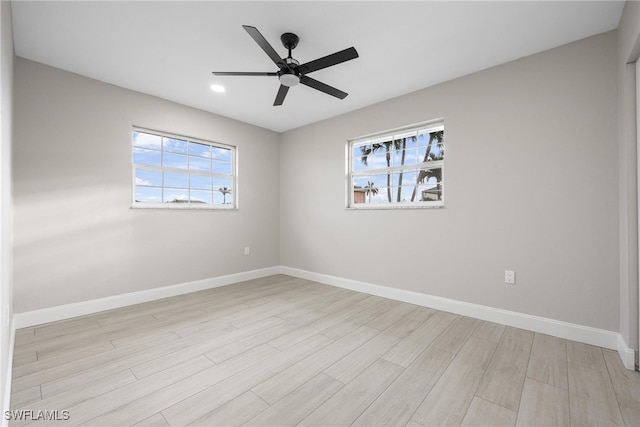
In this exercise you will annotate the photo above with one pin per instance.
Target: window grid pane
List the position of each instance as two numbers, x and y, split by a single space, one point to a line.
399 169
172 171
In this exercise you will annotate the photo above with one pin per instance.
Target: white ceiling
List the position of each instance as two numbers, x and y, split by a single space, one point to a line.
169 48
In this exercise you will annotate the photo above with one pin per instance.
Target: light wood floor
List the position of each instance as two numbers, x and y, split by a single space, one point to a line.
285 351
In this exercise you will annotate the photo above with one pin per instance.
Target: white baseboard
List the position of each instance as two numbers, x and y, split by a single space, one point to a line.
6 401
627 355
67 311
584 334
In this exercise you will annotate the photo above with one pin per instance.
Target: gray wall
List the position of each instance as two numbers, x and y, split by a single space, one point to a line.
531 178
531 185
6 111
628 52
76 237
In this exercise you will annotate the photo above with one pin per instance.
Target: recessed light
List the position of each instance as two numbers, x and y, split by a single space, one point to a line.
217 88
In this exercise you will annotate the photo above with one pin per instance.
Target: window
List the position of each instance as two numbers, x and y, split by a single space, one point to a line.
171 171
400 168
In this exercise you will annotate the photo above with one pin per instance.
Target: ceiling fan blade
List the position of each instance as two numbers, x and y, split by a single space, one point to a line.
264 44
241 73
329 60
308 81
282 92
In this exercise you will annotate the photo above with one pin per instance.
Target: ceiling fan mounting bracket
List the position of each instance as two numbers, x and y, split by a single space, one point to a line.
289 40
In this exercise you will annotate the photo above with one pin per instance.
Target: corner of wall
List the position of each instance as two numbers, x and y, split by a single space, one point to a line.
7 331
628 52
6 389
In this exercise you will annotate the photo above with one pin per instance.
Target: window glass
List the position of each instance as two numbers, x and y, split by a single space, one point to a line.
171 171
398 168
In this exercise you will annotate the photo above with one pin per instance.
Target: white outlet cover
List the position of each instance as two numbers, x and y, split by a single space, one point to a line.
510 277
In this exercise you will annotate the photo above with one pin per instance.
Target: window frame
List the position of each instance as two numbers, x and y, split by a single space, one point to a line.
391 135
189 205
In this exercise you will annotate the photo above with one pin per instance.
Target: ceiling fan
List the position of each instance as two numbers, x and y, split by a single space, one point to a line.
291 72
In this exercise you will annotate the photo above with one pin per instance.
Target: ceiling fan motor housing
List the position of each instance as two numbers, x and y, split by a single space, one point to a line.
289 77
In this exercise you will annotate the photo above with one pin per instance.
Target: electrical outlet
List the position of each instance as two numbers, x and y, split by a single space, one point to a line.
247 250
510 277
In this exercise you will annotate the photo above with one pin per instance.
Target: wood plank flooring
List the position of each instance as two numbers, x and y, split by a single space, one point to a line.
285 351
